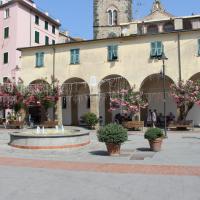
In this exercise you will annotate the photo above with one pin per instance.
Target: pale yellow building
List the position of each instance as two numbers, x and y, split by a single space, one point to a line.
90 71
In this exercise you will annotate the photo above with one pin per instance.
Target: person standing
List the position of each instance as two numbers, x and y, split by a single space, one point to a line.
154 118
149 118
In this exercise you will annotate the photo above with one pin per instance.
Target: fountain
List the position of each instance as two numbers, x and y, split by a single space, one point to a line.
58 138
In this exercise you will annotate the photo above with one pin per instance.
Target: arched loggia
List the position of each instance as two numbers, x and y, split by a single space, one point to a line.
152 88
37 113
75 100
109 86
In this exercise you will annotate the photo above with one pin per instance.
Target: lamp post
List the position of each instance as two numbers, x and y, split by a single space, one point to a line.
164 58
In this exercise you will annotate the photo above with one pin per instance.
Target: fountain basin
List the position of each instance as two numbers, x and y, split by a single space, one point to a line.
71 138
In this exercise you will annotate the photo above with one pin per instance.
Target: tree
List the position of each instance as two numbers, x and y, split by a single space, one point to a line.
129 101
185 94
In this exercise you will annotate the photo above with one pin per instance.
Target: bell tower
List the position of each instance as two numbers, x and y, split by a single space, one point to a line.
108 15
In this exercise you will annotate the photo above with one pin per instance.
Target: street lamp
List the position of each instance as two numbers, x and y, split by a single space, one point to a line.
164 58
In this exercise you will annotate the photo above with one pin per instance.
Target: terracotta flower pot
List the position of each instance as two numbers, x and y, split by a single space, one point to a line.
155 145
113 149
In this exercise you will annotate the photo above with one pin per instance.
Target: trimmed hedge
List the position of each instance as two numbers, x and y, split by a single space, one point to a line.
112 133
153 134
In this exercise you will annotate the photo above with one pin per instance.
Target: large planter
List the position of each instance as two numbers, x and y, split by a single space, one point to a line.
155 145
113 149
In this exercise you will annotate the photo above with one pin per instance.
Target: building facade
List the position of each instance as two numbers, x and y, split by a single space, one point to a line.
22 24
91 71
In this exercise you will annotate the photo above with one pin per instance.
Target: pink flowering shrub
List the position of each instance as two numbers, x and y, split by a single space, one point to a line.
185 94
15 97
129 101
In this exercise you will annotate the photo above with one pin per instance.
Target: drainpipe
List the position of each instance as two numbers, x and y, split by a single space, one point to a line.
179 58
53 77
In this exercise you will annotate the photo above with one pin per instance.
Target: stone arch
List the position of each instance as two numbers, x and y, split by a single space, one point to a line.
75 100
109 86
152 88
195 77
194 113
37 114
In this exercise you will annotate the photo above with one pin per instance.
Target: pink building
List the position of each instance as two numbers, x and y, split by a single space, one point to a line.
22 24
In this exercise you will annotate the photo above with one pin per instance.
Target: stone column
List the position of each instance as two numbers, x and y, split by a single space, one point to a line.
58 111
94 104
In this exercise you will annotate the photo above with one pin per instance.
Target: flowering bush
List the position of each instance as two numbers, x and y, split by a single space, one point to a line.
15 97
185 94
129 101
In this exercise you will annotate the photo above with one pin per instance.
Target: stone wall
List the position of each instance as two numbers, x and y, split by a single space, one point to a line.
101 28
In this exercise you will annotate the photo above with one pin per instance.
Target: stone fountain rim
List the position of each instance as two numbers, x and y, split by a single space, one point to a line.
81 132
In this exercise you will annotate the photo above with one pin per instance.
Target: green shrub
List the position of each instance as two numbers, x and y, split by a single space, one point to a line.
153 134
112 133
90 119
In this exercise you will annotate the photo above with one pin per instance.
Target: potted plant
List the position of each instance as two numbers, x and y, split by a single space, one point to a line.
113 135
155 137
90 119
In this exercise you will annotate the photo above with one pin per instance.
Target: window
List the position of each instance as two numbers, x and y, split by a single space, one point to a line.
198 47
37 20
152 29
157 49
6 13
112 53
168 27
37 37
46 40
40 59
53 42
5 79
5 58
53 29
115 17
6 32
112 17
46 25
75 56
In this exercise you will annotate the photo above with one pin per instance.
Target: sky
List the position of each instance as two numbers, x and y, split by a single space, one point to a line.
76 16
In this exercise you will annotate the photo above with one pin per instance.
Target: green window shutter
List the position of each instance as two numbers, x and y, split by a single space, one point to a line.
53 42
115 52
75 56
5 58
153 49
109 53
198 47
159 48
46 25
6 32
37 37
40 59
46 40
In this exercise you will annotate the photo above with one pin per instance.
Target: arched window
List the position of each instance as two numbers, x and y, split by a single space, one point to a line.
168 27
152 29
112 17
115 17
